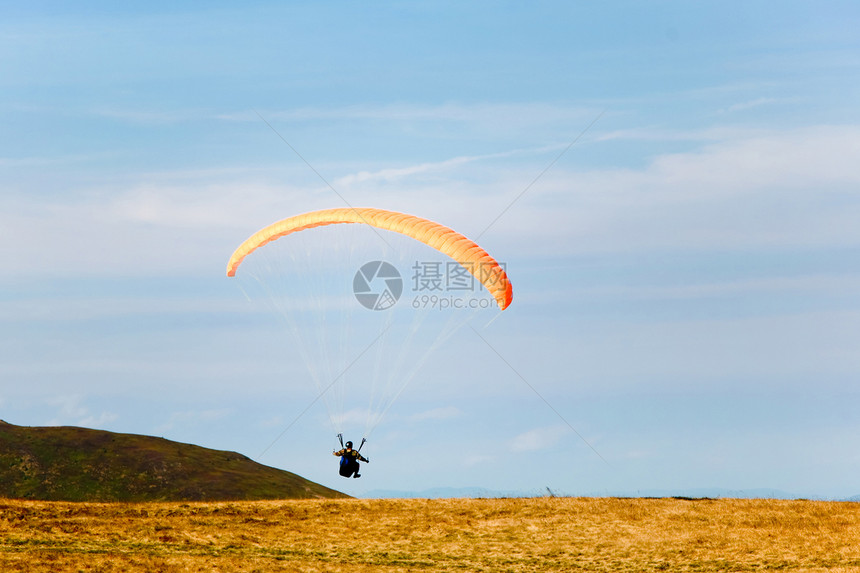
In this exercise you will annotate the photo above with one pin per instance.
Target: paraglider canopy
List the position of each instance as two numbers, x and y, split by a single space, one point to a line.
445 240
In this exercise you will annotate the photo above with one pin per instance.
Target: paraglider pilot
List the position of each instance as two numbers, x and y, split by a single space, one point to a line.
349 459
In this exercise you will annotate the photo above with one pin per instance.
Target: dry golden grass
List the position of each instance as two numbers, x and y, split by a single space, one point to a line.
539 534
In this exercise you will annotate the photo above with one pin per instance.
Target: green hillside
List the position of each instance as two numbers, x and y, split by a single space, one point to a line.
80 464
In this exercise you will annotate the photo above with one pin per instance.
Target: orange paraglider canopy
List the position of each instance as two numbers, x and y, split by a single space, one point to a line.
445 240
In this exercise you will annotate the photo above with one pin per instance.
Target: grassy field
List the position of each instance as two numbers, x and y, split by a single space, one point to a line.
538 534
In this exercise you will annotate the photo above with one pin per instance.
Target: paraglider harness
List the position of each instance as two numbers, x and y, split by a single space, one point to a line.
349 465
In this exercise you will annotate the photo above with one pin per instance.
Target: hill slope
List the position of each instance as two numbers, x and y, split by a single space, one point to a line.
79 464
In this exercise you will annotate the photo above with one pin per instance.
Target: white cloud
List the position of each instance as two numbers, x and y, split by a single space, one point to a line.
506 115
444 413
775 353
741 189
151 117
394 174
659 134
165 225
538 438
192 418
352 417
781 189
72 411
478 460
819 156
67 308
100 421
50 162
749 189
750 104
821 285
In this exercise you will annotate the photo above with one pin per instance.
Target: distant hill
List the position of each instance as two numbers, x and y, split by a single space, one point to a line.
80 464
697 493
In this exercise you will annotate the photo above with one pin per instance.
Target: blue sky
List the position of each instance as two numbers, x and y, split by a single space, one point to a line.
686 309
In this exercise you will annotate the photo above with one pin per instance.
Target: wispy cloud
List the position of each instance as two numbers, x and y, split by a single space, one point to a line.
786 188
444 413
192 418
151 117
751 104
73 411
830 285
735 189
478 460
353 417
500 113
46 161
663 134
63 307
401 173
538 438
